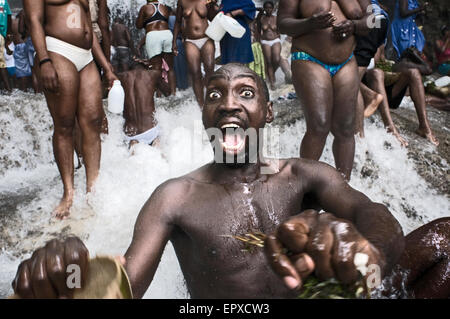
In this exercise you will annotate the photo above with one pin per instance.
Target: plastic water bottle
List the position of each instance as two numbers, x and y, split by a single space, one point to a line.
116 98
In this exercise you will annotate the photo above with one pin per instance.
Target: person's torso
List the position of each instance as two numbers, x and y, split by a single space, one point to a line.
119 35
68 20
195 18
322 44
214 264
269 28
156 17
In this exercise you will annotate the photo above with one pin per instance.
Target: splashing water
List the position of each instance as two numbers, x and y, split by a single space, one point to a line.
30 185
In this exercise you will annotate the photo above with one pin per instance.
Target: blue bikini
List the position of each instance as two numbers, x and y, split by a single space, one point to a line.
331 68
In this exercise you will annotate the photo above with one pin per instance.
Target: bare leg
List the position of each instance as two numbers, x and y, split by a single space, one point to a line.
5 78
194 67
270 68
172 80
63 108
372 100
438 103
359 115
284 64
207 56
375 80
90 116
315 95
345 90
413 79
276 51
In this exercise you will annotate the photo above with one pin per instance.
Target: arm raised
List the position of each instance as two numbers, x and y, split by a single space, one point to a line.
151 233
372 220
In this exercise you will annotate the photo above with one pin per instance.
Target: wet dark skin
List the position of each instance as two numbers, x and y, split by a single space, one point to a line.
140 85
121 36
195 17
70 95
145 13
325 29
197 212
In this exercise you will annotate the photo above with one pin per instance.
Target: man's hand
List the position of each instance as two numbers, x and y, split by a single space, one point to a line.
175 48
322 20
49 77
344 29
44 275
321 243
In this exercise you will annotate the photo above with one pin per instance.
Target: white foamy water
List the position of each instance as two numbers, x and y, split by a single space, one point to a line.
105 218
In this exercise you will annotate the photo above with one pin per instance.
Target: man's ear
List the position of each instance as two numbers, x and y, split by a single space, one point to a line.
269 114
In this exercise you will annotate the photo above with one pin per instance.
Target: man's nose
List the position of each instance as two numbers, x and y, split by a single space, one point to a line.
230 103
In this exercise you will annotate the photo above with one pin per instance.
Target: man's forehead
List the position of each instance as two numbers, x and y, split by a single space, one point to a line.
230 76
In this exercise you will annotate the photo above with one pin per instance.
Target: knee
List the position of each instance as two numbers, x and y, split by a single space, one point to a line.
276 59
344 129
320 127
414 74
93 121
64 126
376 75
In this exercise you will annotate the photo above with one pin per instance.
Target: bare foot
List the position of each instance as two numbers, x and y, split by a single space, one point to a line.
373 105
62 211
426 133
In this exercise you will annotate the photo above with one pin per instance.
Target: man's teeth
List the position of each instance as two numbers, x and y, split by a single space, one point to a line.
233 147
230 126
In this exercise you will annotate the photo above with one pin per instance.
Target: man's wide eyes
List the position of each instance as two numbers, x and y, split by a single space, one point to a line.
214 95
247 93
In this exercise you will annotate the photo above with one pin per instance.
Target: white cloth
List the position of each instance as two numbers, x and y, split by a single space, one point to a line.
271 42
9 59
147 137
157 42
78 56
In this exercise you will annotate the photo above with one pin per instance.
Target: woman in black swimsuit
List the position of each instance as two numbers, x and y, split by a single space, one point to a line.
154 17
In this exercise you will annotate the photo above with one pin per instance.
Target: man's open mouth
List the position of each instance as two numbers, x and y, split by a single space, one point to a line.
233 138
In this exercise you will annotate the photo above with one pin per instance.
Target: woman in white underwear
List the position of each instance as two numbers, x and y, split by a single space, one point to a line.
154 18
199 48
270 41
62 35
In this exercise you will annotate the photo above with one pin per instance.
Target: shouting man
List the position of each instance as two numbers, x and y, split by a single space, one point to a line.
199 211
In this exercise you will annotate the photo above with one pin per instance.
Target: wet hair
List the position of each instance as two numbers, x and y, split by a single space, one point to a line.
268 2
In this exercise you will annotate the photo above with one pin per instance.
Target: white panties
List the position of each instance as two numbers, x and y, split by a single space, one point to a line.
199 43
78 56
147 137
271 42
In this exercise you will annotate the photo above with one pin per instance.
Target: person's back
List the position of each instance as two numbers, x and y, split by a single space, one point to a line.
120 35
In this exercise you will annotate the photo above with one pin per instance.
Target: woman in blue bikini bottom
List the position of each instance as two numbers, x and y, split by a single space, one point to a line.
331 68
328 94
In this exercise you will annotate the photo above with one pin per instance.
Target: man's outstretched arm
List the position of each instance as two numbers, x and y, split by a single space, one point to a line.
352 237
151 233
372 220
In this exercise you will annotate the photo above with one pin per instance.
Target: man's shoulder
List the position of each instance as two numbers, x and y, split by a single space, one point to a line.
302 164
